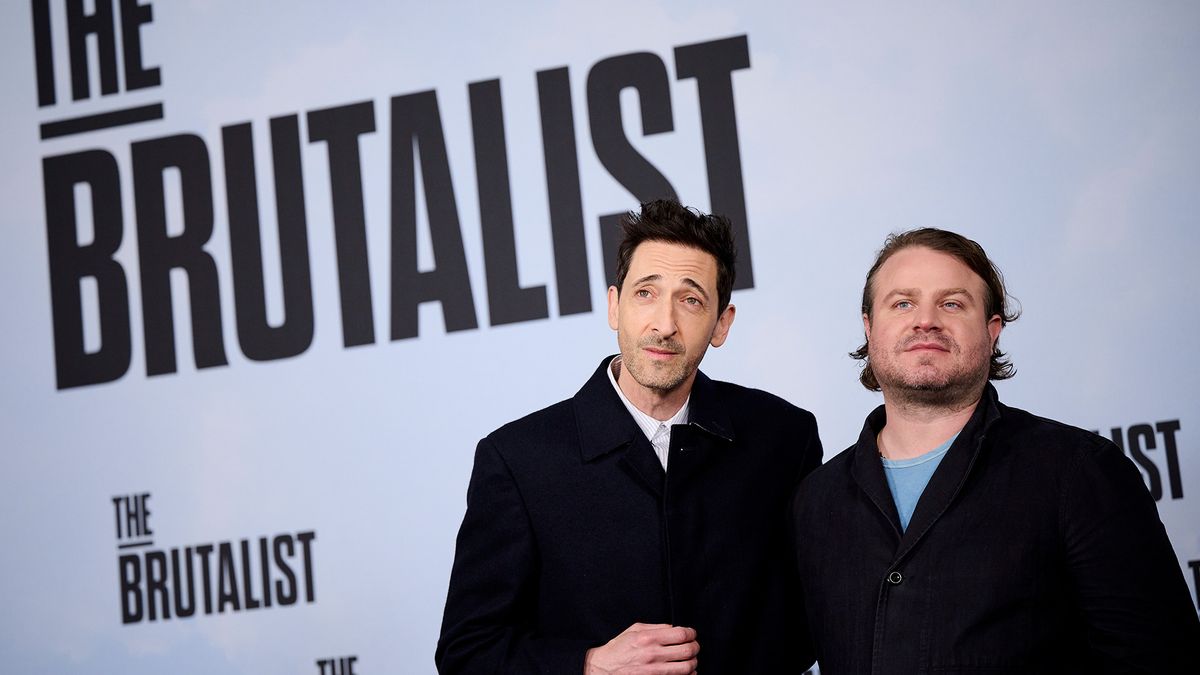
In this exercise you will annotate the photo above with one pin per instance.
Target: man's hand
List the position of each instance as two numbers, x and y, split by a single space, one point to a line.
646 649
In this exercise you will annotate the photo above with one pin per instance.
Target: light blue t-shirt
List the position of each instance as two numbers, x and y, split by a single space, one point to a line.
907 478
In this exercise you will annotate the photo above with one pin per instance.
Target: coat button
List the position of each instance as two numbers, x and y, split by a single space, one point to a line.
895 578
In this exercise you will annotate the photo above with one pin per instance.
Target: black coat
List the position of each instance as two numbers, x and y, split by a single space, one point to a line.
573 532
1035 548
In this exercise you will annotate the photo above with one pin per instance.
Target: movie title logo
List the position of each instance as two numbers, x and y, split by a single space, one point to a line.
92 329
157 584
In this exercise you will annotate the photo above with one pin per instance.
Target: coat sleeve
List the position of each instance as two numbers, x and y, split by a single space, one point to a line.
1130 588
489 625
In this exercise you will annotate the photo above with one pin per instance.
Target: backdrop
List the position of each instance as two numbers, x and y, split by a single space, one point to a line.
271 269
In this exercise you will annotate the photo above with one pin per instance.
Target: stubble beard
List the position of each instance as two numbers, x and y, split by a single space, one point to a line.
662 378
952 388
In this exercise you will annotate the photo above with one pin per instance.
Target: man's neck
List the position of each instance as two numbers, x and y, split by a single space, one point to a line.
661 405
913 429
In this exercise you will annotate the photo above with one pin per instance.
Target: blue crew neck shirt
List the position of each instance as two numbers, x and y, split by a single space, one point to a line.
907 478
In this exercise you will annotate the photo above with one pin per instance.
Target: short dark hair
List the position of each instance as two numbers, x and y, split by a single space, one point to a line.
669 221
969 253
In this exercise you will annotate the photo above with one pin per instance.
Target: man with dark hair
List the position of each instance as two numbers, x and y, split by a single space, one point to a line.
961 535
640 526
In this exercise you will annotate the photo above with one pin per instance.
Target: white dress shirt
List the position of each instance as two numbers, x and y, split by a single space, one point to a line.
658 432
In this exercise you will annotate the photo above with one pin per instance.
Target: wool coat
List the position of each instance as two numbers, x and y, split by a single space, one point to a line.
573 532
1035 548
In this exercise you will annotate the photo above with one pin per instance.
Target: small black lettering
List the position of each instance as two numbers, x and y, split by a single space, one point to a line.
129 571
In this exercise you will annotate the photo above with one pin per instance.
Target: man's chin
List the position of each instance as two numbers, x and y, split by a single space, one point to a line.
659 382
934 392
931 386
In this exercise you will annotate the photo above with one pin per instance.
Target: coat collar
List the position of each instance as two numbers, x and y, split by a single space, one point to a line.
946 481
605 425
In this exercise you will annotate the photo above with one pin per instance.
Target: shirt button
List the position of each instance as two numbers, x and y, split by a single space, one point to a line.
895 578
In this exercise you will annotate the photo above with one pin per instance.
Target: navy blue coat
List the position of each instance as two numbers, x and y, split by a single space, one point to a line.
573 532
1035 548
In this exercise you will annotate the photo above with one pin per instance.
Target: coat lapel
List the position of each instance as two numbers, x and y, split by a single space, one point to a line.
943 486
708 432
868 469
952 473
605 427
706 411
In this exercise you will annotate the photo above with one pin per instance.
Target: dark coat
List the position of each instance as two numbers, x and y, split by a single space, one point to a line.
573 532
1035 548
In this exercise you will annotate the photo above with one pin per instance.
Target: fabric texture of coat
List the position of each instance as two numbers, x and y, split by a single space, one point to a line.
573 532
1035 548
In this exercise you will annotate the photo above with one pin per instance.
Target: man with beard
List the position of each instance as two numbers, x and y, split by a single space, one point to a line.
961 535
640 526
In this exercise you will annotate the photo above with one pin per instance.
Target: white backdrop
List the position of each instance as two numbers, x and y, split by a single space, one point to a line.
1064 138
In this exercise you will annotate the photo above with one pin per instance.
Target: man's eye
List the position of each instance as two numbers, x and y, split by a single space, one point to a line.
952 304
642 293
904 304
692 300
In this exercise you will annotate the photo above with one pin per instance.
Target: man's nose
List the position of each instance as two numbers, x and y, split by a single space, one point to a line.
663 319
927 318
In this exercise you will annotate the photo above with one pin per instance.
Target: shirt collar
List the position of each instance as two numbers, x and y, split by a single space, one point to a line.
648 424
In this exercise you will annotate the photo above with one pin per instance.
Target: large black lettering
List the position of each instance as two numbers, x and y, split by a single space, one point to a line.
712 64
1168 429
70 262
159 252
133 16
508 302
1142 436
417 127
79 26
562 186
647 74
258 339
340 128
43 52
129 571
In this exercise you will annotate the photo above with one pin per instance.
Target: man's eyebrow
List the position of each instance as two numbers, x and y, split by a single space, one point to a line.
688 281
941 293
648 278
902 291
956 291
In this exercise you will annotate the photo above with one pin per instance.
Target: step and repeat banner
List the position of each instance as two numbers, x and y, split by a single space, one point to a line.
271 269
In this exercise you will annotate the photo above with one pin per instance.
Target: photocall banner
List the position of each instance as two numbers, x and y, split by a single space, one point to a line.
272 269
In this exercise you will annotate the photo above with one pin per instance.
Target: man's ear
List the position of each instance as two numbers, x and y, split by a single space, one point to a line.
613 298
721 331
866 326
994 326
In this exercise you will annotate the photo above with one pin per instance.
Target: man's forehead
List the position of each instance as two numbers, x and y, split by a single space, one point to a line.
920 268
671 260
